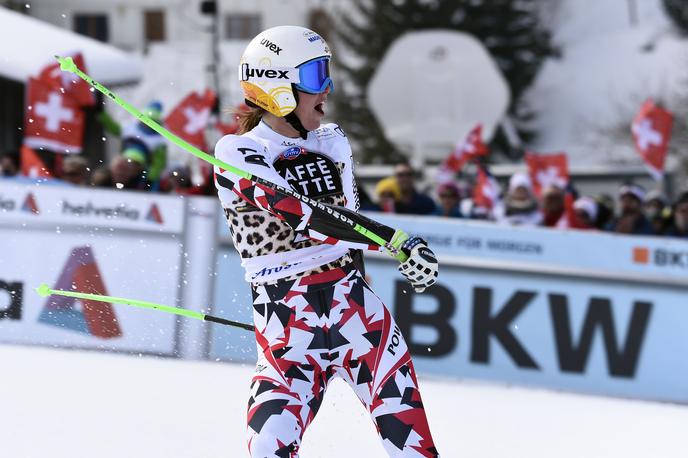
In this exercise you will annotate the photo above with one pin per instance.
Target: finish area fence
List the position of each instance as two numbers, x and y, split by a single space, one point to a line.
578 311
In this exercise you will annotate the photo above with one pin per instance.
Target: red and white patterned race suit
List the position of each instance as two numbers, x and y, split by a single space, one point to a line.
315 316
312 329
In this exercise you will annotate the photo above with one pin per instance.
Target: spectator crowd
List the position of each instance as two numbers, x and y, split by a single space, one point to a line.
631 211
142 165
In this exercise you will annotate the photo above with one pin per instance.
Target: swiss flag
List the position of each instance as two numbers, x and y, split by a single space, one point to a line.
470 148
651 131
32 165
68 82
52 120
548 170
189 119
486 193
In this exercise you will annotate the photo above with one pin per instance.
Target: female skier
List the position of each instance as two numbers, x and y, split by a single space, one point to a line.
315 317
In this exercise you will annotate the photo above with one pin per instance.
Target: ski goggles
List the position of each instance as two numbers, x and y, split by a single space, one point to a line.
314 76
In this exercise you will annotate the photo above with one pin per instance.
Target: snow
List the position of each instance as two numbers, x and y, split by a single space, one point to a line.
608 68
34 43
67 403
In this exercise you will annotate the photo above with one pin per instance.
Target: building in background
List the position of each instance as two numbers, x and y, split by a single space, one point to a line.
136 24
36 44
181 50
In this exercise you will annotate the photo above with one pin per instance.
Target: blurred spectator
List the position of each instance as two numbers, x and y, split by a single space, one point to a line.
552 205
450 199
657 211
411 201
586 210
605 210
472 211
128 171
519 207
176 179
75 170
388 194
9 164
631 219
102 178
679 227
138 136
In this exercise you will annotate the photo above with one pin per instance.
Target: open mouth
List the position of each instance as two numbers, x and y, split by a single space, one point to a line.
320 108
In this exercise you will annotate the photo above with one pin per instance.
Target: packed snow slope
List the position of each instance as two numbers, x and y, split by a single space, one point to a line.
67 404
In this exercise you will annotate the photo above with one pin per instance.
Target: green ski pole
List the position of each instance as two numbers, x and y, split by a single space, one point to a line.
44 291
393 245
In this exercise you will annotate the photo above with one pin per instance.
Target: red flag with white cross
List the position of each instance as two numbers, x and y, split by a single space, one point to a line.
470 148
52 120
32 165
651 131
547 170
190 118
486 193
68 83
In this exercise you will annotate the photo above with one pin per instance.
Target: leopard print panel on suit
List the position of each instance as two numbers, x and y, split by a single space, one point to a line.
320 166
256 232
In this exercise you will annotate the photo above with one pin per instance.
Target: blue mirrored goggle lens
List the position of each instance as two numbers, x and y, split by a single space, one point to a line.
315 76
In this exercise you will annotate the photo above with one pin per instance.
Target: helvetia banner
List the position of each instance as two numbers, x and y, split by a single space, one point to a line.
71 206
43 241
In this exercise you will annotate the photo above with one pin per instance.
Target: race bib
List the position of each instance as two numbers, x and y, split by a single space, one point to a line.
309 173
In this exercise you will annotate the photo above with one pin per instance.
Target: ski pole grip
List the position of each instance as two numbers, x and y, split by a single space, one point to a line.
394 246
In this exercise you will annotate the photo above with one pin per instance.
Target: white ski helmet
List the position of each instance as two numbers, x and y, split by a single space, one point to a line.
278 61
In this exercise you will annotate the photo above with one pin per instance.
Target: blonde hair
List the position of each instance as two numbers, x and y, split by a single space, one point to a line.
248 119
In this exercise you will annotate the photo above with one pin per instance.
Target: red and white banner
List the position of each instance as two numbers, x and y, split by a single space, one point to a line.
651 131
486 193
76 206
470 148
190 118
53 120
71 85
547 170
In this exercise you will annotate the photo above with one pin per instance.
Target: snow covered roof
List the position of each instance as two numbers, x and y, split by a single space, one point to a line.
30 44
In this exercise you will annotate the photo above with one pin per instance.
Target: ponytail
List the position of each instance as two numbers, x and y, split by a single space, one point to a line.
248 119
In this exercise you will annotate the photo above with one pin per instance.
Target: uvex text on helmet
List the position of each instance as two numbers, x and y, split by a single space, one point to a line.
270 65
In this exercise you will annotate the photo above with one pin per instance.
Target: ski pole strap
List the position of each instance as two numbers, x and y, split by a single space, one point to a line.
335 214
